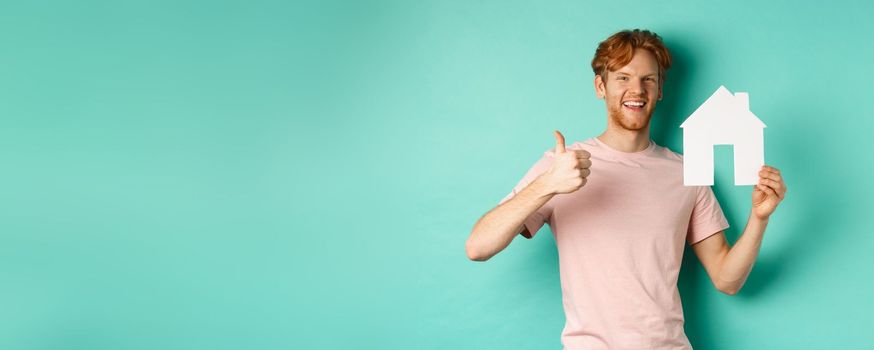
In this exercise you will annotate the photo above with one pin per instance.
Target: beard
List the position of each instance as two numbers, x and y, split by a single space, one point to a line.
625 120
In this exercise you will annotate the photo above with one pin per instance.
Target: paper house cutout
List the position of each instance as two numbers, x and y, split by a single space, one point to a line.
723 119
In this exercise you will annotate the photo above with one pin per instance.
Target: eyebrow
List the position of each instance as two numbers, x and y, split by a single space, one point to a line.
645 75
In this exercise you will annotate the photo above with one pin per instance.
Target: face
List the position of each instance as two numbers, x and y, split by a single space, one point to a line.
631 92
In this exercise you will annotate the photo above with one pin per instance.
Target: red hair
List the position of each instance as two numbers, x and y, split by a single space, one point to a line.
618 50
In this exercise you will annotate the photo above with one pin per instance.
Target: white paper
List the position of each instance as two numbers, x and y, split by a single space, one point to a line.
723 119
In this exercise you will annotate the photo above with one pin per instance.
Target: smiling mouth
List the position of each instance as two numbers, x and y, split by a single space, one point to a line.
635 106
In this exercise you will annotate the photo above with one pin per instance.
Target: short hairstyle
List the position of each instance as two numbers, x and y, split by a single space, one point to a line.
618 50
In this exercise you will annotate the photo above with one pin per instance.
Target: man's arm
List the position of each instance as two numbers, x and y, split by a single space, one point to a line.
729 267
496 229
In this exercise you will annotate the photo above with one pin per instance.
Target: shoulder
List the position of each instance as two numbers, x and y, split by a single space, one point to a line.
667 154
587 144
667 160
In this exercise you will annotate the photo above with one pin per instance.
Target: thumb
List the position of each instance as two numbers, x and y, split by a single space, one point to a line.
559 142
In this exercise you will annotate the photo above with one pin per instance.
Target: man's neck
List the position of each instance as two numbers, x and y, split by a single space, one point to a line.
626 140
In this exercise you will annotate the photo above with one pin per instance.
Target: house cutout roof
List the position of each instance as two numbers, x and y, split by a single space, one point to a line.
724 110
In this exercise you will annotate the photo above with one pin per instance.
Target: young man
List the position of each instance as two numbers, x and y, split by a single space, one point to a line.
621 215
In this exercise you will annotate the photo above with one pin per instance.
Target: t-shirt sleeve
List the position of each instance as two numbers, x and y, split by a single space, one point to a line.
707 216
535 221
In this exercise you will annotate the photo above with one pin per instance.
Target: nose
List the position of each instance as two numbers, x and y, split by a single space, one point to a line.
637 87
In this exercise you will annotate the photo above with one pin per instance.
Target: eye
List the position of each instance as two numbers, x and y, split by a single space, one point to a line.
622 78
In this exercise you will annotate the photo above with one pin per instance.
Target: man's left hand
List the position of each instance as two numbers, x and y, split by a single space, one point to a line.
768 192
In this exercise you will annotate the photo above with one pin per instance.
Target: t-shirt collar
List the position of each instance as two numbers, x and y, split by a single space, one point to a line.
643 153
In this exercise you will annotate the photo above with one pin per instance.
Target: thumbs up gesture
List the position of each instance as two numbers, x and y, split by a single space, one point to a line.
569 168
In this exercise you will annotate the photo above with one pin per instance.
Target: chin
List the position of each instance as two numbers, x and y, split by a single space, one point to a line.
635 127
631 123
627 122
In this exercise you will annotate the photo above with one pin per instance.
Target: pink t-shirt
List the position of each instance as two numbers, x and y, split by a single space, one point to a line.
620 243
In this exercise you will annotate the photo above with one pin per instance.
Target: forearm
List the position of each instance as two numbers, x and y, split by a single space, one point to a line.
497 228
738 262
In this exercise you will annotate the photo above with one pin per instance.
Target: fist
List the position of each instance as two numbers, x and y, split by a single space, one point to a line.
769 192
569 168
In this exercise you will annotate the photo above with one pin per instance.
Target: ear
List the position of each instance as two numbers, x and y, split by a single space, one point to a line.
600 90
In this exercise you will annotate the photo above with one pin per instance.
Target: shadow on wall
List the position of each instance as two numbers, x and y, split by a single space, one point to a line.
665 125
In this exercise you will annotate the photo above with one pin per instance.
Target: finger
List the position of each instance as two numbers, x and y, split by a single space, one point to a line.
774 186
770 175
782 190
585 172
770 183
583 154
770 169
585 164
576 163
559 142
767 190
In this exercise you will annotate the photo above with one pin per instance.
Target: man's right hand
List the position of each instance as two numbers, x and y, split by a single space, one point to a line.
569 168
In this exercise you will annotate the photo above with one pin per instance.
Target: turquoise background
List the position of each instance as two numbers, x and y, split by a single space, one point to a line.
303 175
